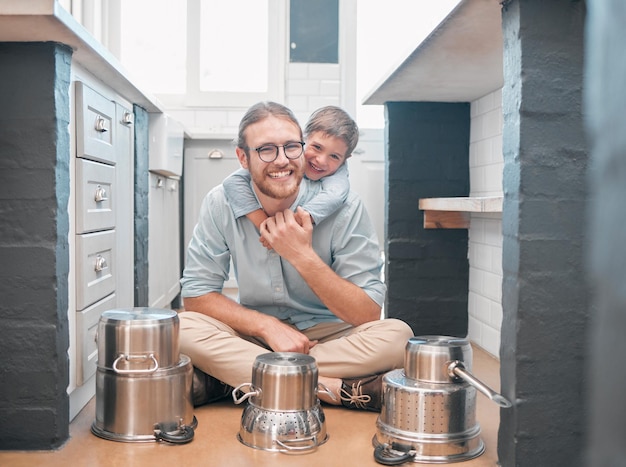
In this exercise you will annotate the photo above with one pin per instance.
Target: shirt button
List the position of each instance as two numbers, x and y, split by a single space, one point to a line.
278 289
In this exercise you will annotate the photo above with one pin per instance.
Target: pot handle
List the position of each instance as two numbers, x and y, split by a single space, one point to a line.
247 395
183 435
457 368
285 443
391 455
128 357
326 391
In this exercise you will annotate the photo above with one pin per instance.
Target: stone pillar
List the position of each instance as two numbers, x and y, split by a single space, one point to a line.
605 104
34 221
142 188
544 292
427 271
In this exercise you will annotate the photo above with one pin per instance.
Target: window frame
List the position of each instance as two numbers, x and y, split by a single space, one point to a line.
277 29
193 96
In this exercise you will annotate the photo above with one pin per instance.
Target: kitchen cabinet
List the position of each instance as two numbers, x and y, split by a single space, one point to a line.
64 191
102 245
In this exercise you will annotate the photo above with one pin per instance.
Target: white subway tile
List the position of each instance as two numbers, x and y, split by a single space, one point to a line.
476 129
490 124
490 340
321 71
297 71
492 286
298 103
476 281
331 88
496 149
474 328
495 320
303 87
492 232
320 101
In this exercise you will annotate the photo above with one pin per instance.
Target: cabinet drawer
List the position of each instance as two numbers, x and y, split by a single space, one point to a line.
95 267
95 125
95 190
86 347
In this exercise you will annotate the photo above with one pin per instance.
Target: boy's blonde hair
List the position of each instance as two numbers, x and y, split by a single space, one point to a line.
334 121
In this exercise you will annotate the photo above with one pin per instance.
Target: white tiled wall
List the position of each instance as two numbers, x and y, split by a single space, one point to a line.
485 235
308 86
311 86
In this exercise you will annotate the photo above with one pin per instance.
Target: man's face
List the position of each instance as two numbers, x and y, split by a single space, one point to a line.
323 155
281 178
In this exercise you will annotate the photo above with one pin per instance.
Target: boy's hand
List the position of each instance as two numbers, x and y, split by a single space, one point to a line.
289 233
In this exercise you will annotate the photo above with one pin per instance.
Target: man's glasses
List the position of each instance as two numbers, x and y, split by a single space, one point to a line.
269 152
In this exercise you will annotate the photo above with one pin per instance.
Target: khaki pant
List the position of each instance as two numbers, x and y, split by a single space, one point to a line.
342 351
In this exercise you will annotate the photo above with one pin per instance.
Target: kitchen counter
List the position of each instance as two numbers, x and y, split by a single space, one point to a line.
48 21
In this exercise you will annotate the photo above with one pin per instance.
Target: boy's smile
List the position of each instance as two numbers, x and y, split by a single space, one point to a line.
323 155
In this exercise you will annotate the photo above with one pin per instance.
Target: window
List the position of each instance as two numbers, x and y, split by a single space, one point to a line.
153 44
314 31
204 53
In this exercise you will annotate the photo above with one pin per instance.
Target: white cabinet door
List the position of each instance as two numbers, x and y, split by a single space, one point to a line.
125 207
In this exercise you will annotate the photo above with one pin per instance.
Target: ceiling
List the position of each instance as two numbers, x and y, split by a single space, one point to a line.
460 61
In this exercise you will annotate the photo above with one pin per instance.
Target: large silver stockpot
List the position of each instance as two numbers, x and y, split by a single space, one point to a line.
283 412
145 407
131 339
429 407
143 382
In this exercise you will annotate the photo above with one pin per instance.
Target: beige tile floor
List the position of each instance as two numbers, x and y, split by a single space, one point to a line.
215 442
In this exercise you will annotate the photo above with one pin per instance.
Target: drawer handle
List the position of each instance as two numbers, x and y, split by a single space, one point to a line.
101 194
101 125
127 118
101 263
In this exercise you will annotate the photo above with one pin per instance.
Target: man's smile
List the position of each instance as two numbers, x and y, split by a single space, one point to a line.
282 173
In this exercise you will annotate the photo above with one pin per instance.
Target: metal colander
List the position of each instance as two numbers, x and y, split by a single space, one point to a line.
429 407
284 431
435 422
283 412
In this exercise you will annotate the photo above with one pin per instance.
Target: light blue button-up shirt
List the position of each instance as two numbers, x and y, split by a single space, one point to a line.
346 241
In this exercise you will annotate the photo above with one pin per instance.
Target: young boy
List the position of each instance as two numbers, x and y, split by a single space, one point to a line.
330 135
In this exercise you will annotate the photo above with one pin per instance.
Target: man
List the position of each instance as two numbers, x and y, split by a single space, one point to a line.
317 290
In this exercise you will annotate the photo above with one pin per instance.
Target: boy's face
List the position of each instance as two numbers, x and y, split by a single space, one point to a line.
323 155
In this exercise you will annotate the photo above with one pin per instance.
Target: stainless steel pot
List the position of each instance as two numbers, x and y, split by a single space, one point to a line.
138 339
145 407
429 407
283 412
143 383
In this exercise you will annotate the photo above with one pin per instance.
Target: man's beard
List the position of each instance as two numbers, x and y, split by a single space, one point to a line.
278 191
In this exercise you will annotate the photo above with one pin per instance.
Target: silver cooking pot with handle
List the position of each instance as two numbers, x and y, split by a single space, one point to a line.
429 407
143 382
283 412
142 339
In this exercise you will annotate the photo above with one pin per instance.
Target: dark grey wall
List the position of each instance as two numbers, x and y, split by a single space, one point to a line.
545 296
427 271
142 187
605 106
34 226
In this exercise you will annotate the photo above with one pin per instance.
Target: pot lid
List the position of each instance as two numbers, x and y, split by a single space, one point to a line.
142 314
285 359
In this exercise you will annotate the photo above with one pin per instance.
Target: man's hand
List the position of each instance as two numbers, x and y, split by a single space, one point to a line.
289 233
283 338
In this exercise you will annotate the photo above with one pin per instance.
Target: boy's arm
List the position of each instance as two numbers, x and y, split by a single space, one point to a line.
241 198
335 189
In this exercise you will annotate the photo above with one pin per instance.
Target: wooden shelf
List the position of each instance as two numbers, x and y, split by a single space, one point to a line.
454 213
